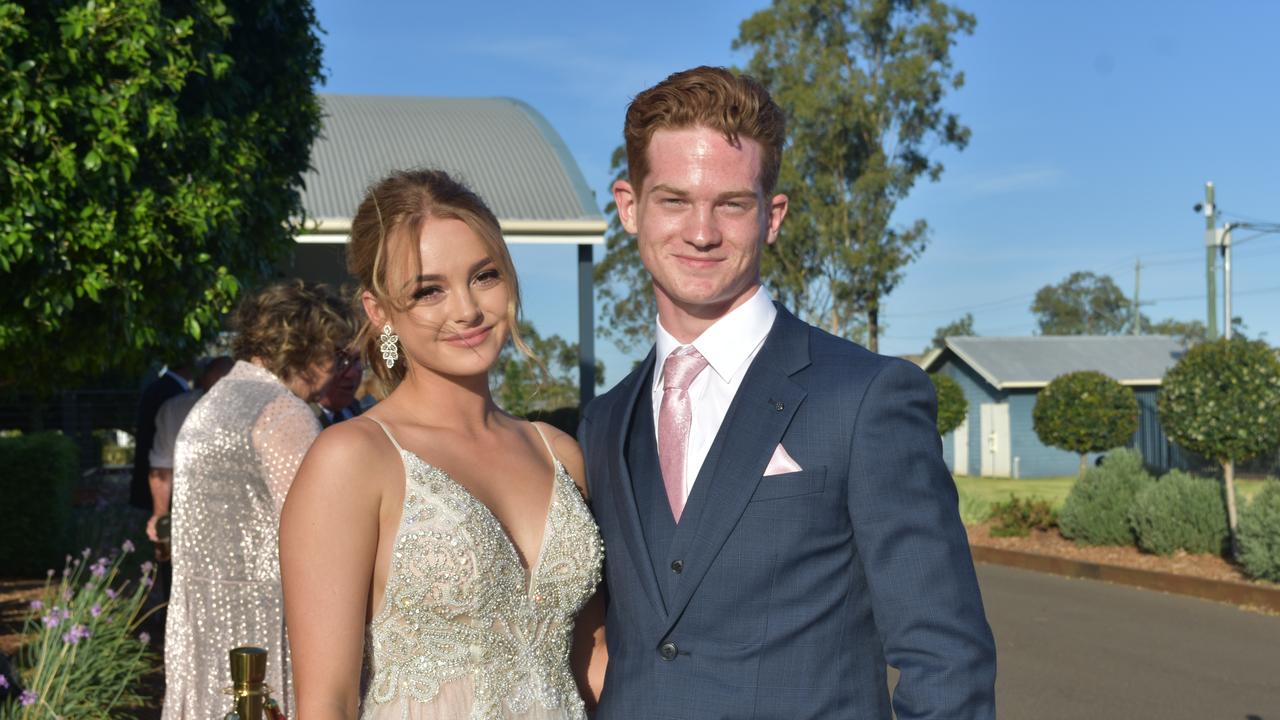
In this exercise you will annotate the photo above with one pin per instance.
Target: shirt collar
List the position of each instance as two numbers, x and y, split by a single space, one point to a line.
186 385
729 341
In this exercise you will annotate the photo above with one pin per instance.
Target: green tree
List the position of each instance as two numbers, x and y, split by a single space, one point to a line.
952 405
963 327
548 381
862 84
1222 400
624 288
153 156
1083 304
1085 412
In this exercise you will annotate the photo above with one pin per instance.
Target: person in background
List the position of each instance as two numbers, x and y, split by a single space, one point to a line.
173 380
237 453
168 420
339 402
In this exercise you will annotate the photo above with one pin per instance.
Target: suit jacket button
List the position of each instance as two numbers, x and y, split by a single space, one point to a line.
677 566
668 650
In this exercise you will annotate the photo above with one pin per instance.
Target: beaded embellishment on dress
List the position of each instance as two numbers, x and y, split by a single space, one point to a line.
465 631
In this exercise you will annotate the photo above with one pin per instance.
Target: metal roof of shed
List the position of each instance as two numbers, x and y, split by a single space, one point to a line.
500 147
1032 362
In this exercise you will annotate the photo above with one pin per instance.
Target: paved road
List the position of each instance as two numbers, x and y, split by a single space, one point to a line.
1088 650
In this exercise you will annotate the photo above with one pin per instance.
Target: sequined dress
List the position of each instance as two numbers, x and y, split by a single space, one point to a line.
464 631
236 456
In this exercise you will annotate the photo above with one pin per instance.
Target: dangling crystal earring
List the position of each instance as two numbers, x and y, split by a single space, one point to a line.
387 344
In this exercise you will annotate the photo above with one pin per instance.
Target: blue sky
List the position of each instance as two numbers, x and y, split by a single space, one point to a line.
1095 126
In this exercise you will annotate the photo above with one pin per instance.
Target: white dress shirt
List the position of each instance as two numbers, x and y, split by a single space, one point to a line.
729 346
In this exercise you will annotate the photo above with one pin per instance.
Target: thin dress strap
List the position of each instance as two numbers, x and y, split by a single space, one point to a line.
390 437
554 460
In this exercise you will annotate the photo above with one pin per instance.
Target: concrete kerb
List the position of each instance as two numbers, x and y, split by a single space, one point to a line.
1236 593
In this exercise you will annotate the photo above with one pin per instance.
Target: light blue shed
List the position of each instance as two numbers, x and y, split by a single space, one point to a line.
1001 377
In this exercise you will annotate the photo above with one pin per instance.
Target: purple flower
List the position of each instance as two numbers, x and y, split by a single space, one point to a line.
4 681
28 698
85 553
77 633
36 604
128 546
145 637
111 593
146 567
51 620
147 582
50 573
96 610
99 568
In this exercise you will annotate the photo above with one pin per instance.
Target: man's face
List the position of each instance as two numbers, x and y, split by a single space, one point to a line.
701 220
342 389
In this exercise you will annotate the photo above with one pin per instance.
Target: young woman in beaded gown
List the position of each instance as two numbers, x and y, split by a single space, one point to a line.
438 541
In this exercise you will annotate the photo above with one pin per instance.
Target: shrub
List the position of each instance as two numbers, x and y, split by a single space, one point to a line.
1260 534
1019 516
37 476
952 406
1181 512
1096 512
1085 412
83 655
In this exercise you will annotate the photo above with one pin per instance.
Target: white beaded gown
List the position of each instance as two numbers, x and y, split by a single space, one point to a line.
236 456
464 631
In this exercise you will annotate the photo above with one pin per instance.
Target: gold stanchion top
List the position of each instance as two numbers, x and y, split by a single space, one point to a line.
248 665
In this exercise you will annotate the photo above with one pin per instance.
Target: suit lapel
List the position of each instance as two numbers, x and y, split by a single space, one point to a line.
757 419
622 489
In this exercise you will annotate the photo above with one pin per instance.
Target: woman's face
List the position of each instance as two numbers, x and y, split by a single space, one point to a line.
456 323
312 382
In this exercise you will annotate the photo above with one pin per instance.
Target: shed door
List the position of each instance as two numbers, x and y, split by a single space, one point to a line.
995 439
960 448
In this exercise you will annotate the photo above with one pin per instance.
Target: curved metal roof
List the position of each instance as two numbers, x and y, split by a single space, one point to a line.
1032 362
500 147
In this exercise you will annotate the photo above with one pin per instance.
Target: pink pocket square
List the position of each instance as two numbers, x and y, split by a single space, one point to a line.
781 462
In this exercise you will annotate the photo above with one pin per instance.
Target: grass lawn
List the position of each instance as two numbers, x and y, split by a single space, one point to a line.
997 489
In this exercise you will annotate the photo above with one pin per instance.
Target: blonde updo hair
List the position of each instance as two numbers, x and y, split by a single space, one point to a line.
397 207
291 326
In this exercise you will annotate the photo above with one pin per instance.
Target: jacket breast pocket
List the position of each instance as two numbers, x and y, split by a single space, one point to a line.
786 485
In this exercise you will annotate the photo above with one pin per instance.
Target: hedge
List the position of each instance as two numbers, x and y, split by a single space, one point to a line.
1181 512
1259 533
37 476
1097 510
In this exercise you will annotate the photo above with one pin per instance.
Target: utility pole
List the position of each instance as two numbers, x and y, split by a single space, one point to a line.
1210 259
1227 320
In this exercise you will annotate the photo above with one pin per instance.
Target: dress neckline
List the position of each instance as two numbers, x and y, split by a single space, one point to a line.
557 470
530 570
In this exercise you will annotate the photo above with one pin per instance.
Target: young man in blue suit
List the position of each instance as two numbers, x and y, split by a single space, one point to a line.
778 521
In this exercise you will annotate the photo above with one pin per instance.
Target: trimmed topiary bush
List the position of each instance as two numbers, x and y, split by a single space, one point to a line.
1181 512
1260 533
37 476
952 407
1222 401
1097 510
1085 412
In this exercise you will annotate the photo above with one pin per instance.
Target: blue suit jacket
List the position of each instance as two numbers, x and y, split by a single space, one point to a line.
795 590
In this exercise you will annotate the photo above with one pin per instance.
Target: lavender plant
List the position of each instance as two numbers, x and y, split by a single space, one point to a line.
83 655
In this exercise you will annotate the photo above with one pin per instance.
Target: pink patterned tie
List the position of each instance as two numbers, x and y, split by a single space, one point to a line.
674 418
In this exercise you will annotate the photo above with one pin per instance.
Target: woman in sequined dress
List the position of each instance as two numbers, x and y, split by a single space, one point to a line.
436 539
236 455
